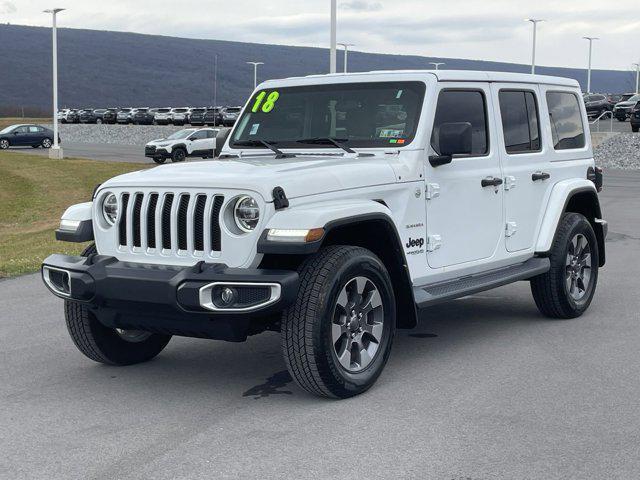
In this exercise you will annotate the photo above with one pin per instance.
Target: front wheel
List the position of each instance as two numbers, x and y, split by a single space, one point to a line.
159 160
178 155
4 144
337 336
108 345
567 289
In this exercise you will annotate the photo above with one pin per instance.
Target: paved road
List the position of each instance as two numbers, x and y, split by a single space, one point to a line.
485 388
96 151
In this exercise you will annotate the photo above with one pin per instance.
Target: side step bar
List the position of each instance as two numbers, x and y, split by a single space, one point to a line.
434 293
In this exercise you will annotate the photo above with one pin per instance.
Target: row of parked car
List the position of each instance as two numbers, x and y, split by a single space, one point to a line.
212 116
620 105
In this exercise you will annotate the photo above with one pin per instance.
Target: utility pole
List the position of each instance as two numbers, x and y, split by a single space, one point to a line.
346 53
535 22
55 151
591 39
637 65
333 35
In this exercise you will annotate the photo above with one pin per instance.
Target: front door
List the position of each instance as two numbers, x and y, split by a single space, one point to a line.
464 198
527 170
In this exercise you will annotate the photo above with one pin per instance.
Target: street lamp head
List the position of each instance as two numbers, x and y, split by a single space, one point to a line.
591 38
54 10
254 63
534 20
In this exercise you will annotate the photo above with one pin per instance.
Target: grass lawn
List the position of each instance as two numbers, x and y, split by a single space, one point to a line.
34 192
6 121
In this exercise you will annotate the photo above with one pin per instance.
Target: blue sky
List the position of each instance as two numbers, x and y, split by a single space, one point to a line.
475 29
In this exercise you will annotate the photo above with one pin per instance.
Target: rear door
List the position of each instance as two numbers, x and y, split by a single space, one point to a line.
464 198
525 163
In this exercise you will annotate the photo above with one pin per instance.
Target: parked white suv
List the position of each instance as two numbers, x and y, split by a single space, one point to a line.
342 206
190 142
179 115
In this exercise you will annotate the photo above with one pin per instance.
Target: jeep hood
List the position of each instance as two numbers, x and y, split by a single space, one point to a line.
300 176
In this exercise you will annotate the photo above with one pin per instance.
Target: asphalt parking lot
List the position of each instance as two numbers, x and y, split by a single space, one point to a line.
606 125
485 388
96 151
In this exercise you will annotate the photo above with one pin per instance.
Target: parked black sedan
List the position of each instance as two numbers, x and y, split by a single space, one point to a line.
596 105
26 135
110 115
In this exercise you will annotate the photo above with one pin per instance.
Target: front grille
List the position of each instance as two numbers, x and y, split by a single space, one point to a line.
149 149
185 223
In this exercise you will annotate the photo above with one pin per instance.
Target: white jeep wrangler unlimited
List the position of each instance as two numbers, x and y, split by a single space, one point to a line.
339 208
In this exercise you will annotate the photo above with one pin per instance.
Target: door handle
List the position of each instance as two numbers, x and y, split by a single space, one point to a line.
540 176
491 182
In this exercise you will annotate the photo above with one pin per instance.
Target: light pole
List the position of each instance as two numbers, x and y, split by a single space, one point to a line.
437 64
346 53
637 65
333 36
535 22
591 39
255 72
55 151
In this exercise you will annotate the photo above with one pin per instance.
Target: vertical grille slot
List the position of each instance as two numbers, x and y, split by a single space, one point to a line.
137 208
151 220
216 244
198 223
122 223
183 207
166 221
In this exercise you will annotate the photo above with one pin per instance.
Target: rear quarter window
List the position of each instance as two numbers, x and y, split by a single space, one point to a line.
567 129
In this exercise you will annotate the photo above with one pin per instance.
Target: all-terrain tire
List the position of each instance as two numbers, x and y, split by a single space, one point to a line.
550 290
105 345
306 331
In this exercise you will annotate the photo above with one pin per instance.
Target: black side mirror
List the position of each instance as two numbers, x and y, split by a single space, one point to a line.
454 138
221 139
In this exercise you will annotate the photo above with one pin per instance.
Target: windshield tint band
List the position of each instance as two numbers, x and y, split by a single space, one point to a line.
365 115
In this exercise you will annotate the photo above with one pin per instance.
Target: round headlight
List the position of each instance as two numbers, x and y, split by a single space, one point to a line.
110 208
246 213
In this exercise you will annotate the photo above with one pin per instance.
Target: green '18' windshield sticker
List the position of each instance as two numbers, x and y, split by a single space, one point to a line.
268 105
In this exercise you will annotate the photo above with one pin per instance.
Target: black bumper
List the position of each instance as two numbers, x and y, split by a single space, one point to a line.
163 298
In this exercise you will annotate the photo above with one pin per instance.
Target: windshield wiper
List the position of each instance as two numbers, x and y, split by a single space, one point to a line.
270 144
337 142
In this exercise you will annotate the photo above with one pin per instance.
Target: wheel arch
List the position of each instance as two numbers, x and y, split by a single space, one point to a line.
373 230
576 196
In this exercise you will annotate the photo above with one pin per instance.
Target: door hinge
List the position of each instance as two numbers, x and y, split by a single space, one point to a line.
510 229
434 242
433 191
509 182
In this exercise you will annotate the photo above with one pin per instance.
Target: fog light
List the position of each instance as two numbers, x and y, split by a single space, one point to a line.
224 296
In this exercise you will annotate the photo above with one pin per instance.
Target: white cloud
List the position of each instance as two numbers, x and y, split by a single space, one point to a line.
486 30
7 8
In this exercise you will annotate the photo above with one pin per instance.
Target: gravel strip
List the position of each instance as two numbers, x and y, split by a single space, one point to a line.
115 134
621 151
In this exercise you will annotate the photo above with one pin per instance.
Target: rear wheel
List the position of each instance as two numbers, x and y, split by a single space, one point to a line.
99 121
46 143
635 129
337 336
108 345
567 289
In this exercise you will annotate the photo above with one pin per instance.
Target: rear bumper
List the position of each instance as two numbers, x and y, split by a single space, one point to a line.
169 299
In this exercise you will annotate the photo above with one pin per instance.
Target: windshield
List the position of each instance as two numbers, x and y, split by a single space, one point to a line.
180 134
7 129
358 114
635 98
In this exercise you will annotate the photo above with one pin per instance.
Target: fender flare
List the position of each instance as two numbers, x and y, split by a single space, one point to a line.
82 214
556 206
327 215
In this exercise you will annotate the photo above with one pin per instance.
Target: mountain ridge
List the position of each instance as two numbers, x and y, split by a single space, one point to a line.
100 68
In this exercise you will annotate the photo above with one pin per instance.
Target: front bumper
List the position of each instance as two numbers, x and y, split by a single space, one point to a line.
168 299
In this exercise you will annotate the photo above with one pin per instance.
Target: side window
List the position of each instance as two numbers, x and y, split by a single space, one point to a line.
211 133
34 129
519 111
463 106
567 129
21 130
201 135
